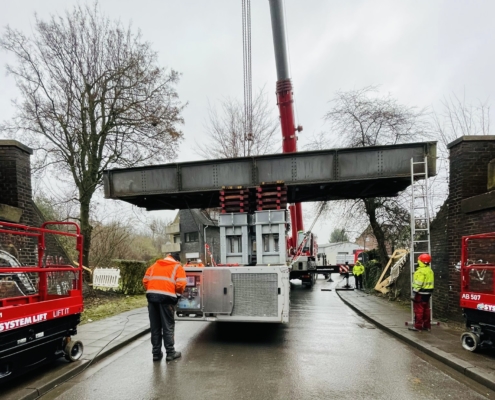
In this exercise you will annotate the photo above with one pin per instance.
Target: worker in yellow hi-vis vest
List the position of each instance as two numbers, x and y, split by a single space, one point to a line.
358 271
422 286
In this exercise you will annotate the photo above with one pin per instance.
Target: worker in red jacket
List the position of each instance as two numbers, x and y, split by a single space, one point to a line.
164 282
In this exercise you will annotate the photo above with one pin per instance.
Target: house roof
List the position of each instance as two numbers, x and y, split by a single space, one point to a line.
201 217
336 244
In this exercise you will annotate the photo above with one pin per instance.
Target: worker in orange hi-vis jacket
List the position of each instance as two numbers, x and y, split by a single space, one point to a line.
164 282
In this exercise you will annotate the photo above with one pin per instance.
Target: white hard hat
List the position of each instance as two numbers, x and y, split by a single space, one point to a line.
199 260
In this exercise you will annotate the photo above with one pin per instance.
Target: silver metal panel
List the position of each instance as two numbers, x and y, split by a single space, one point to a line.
354 165
398 161
106 187
161 180
276 169
233 219
198 177
239 173
127 182
223 245
153 180
218 291
256 294
270 217
278 33
315 168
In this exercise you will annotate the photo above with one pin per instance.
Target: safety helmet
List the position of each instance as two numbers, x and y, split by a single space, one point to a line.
425 258
175 256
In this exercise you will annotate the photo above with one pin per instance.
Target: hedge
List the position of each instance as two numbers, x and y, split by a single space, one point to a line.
131 275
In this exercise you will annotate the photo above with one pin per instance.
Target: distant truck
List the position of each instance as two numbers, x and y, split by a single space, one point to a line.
345 258
338 253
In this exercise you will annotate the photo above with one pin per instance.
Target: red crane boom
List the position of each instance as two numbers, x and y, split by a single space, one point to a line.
285 101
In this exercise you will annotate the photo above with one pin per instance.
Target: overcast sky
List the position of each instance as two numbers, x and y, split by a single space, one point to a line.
418 51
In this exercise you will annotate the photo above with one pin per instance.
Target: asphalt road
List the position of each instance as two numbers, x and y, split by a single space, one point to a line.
325 352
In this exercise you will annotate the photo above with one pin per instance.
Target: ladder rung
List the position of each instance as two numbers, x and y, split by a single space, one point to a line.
420 241
419 162
421 229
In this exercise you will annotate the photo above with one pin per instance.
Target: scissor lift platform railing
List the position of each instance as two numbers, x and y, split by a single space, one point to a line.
35 327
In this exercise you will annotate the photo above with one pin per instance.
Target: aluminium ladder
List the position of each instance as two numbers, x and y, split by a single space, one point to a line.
420 218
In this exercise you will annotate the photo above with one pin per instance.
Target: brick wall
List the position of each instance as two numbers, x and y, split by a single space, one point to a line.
440 264
469 159
16 191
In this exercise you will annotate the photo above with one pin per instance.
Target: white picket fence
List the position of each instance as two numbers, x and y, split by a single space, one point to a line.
106 277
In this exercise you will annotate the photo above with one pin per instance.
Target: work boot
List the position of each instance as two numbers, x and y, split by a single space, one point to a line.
157 357
173 356
412 328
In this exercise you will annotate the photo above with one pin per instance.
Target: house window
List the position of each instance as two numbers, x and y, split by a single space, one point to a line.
176 238
191 237
276 243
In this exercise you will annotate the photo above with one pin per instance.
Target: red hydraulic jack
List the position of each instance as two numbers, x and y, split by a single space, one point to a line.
344 269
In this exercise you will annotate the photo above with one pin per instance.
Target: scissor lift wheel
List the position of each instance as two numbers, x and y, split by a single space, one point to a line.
470 341
73 350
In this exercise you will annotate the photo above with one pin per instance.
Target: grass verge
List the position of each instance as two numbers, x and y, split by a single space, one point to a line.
96 308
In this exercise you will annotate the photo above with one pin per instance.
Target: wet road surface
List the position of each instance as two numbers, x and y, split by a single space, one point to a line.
325 352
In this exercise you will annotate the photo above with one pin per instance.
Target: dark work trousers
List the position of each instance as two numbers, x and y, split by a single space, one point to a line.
422 313
162 324
358 279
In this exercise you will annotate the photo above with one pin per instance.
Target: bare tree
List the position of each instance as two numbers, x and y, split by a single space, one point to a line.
459 118
225 129
110 241
338 235
361 118
93 96
456 117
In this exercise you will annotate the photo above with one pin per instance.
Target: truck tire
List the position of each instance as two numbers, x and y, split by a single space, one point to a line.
73 350
470 341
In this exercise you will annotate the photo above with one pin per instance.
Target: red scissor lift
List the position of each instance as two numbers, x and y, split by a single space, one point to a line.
478 292
36 325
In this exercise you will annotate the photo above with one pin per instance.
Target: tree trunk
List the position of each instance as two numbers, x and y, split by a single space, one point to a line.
371 207
86 228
